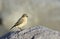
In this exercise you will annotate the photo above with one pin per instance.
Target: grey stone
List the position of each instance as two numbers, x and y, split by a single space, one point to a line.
37 32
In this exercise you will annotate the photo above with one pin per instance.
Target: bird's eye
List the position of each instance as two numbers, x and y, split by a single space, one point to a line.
26 16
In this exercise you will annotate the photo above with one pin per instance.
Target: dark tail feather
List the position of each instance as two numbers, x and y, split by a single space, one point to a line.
12 27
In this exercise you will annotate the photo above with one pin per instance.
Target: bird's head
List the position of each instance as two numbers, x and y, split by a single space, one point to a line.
24 15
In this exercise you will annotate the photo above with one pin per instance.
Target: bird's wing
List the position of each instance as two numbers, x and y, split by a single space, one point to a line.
17 23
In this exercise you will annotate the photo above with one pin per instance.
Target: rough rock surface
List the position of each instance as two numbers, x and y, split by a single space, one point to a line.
37 32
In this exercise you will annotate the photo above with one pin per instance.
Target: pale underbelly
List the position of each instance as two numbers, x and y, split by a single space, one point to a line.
22 25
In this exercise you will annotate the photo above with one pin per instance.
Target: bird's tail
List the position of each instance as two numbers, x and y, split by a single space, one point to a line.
12 27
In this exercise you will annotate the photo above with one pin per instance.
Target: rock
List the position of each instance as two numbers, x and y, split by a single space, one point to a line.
37 32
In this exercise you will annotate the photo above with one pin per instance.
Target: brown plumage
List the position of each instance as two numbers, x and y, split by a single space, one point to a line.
21 22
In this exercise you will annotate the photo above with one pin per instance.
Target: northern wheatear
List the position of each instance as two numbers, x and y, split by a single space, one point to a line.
21 22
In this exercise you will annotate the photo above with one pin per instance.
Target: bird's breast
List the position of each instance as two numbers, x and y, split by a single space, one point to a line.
23 23
25 20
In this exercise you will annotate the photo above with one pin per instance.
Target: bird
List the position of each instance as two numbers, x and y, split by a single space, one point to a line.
21 22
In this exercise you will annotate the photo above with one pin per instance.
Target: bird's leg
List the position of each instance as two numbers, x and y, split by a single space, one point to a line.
20 29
